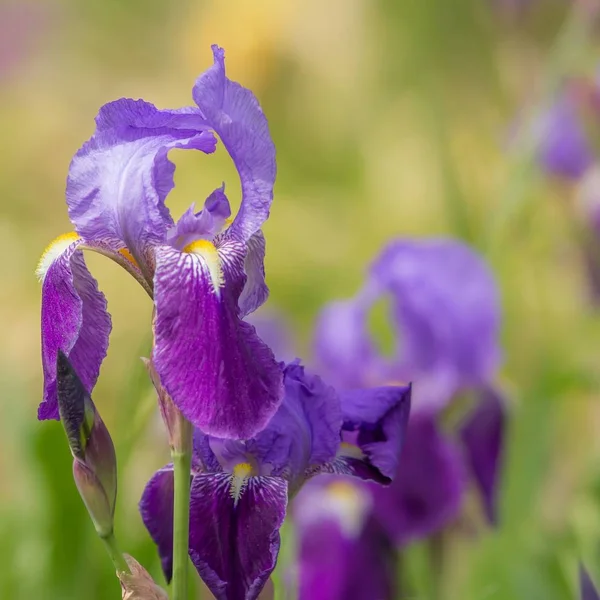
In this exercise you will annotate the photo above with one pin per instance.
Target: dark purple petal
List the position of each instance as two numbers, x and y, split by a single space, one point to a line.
587 587
74 320
222 377
344 554
427 490
255 292
305 431
235 547
205 224
343 344
236 116
119 179
564 149
156 508
483 436
447 311
375 422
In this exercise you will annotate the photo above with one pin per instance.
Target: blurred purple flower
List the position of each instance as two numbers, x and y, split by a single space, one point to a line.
240 488
343 552
587 587
203 275
273 329
446 317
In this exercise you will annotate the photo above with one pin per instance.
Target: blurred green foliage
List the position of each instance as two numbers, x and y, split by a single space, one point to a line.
390 118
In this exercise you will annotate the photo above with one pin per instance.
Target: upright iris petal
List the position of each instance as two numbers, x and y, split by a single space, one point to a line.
446 307
343 343
74 319
236 116
120 178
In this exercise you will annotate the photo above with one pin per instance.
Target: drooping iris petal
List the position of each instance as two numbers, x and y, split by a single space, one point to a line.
205 224
156 508
343 344
344 554
74 320
255 291
564 149
236 116
235 546
587 588
427 490
447 311
222 377
483 436
375 422
119 179
305 431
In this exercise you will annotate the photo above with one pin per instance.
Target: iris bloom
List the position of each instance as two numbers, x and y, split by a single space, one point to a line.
240 489
343 551
204 273
445 314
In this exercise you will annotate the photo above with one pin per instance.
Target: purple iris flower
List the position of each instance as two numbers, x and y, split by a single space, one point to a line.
240 489
445 315
343 551
204 273
564 132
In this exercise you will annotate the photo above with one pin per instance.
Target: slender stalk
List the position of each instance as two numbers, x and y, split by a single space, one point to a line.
182 463
110 543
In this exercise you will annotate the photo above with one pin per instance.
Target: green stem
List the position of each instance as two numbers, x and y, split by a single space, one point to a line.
182 464
110 543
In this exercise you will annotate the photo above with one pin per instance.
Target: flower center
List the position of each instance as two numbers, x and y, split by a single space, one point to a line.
239 480
209 254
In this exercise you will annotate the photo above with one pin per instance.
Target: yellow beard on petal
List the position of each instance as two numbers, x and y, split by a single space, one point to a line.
239 480
54 249
207 251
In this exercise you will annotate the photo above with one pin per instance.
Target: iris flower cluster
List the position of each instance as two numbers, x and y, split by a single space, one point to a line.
261 428
444 317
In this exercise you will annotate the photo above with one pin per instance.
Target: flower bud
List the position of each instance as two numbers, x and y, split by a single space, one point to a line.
95 463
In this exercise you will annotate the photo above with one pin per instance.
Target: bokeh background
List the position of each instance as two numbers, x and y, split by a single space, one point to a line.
391 118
